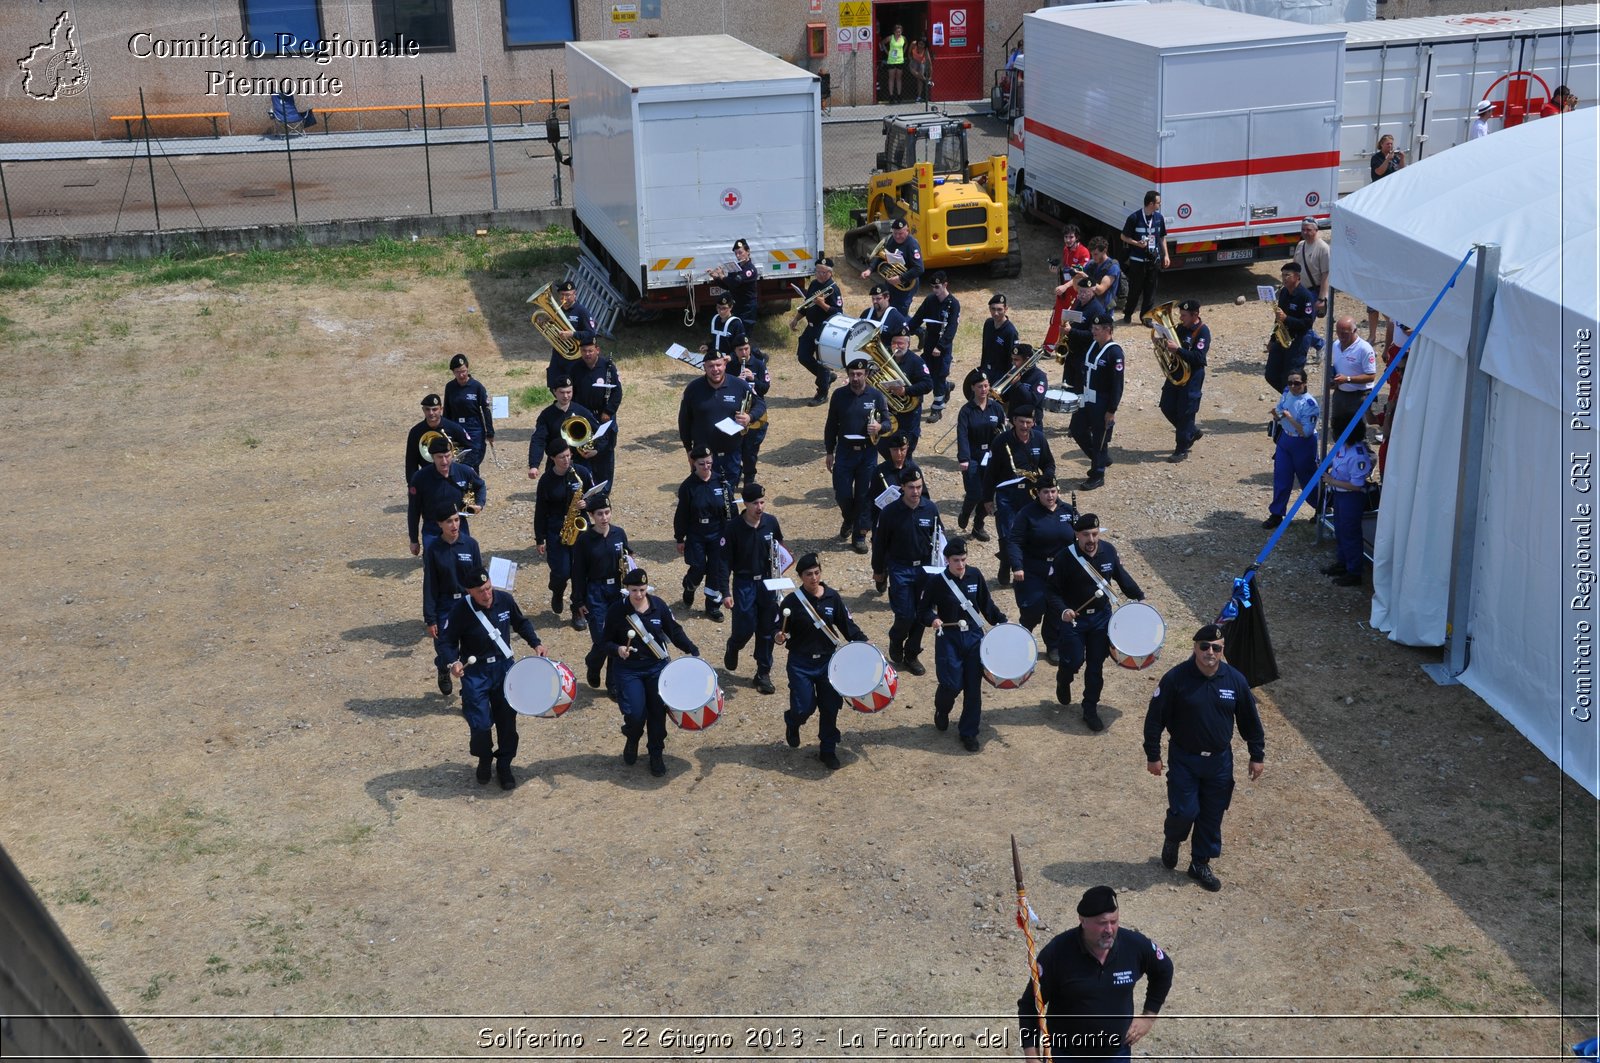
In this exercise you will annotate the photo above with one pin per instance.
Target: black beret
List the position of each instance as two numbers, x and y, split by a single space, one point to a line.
1022 411
432 400
1209 633
477 578
1086 522
440 445
897 224
753 491
636 578
1097 900
807 562
878 289
566 286
1190 306
955 547
458 361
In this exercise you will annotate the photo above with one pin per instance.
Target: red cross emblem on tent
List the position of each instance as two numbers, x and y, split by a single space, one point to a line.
1525 93
731 199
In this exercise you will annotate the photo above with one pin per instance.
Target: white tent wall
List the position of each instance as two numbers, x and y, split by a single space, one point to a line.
1531 190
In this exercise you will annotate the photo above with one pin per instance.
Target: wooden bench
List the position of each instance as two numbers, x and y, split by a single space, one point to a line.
128 119
437 108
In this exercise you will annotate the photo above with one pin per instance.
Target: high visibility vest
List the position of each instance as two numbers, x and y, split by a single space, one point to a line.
897 51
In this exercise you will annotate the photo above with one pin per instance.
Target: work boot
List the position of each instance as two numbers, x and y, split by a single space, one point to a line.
764 683
485 765
730 658
941 719
830 759
914 666
791 734
445 686
658 767
713 611
1064 688
508 781
688 597
1092 720
557 602
1169 854
978 533
1200 871
630 750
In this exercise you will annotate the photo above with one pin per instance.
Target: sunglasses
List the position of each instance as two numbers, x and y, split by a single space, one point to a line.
1214 647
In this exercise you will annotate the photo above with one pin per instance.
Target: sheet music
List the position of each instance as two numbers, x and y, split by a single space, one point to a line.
890 496
500 407
1266 293
1161 331
683 354
854 439
1011 482
898 258
503 573
780 584
605 426
1071 317
597 489
729 427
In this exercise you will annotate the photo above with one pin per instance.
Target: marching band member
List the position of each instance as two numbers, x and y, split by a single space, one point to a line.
547 429
999 340
597 386
889 471
1179 405
855 412
1021 458
1075 596
743 283
921 384
699 523
599 560
1042 529
810 649
1296 312
707 402
829 301
901 545
980 420
583 324
449 561
552 503
438 490
1028 388
467 403
480 626
752 551
750 365
938 319
901 243
951 604
433 420
726 330
889 319
637 665
1078 333
1093 421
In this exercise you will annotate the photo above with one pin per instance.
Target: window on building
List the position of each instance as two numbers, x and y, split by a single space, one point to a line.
425 21
533 22
282 27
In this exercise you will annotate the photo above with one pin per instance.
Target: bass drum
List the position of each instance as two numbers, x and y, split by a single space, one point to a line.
692 694
538 686
1137 632
842 338
858 671
1009 656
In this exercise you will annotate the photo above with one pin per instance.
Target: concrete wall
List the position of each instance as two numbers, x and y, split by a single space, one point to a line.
103 77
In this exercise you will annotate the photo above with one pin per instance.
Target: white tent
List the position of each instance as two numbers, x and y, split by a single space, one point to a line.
1531 190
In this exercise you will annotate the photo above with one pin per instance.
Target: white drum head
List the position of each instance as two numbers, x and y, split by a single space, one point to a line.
688 683
1137 630
1008 651
856 669
533 686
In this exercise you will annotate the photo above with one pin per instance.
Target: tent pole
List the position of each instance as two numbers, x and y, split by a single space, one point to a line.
1469 480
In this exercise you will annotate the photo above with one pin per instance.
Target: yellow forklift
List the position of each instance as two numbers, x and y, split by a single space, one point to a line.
958 211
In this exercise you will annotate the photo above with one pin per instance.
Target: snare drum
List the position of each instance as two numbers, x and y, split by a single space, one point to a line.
1136 632
693 697
1060 400
539 686
842 336
1009 655
862 677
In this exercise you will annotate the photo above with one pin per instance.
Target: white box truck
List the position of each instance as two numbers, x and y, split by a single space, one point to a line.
1418 79
1233 118
680 146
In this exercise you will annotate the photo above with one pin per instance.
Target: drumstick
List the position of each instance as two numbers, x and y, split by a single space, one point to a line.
1097 594
470 661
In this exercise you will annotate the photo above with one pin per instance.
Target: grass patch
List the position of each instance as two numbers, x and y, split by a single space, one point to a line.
22 275
836 207
532 397
177 833
282 959
353 834
152 989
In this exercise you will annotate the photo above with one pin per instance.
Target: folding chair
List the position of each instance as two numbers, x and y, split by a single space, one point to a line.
288 117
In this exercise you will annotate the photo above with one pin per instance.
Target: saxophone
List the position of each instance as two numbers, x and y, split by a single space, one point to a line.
574 524
1031 475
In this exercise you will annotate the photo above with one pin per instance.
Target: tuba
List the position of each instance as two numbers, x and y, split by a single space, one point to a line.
428 437
1176 370
574 524
576 433
889 270
550 321
883 369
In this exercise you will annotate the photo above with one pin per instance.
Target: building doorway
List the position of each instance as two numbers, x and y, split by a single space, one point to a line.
944 50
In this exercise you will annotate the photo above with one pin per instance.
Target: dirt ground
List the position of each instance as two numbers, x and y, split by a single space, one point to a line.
233 782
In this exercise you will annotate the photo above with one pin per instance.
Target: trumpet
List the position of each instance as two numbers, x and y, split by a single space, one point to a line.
426 440
1173 366
575 524
550 321
890 270
808 301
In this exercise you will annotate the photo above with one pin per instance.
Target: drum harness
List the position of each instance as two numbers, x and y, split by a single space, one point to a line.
1103 589
493 633
816 618
643 633
966 603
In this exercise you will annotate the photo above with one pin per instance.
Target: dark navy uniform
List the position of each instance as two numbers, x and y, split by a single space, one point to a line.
810 650
1179 405
743 283
1099 271
901 545
1028 390
998 343
699 523
886 475
702 407
1037 535
955 652
1085 641
976 429
1144 261
431 495
1011 459
909 424
468 406
817 316
637 677
598 388
1201 713
890 320
749 553
483 699
726 334
756 434
552 500
1079 338
1088 1004
583 323
547 429
938 319
597 571
1102 394
853 458
1300 309
910 278
414 460
445 568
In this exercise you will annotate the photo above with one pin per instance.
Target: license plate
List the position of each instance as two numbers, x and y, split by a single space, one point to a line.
1244 254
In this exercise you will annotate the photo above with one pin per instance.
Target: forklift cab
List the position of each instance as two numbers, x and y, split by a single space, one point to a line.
932 138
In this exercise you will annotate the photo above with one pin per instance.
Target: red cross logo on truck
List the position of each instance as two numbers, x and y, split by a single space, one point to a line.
1525 93
731 198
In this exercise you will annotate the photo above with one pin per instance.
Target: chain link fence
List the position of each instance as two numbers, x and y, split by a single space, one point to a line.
452 161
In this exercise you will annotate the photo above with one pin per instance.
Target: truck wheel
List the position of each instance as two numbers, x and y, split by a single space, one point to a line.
1011 264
